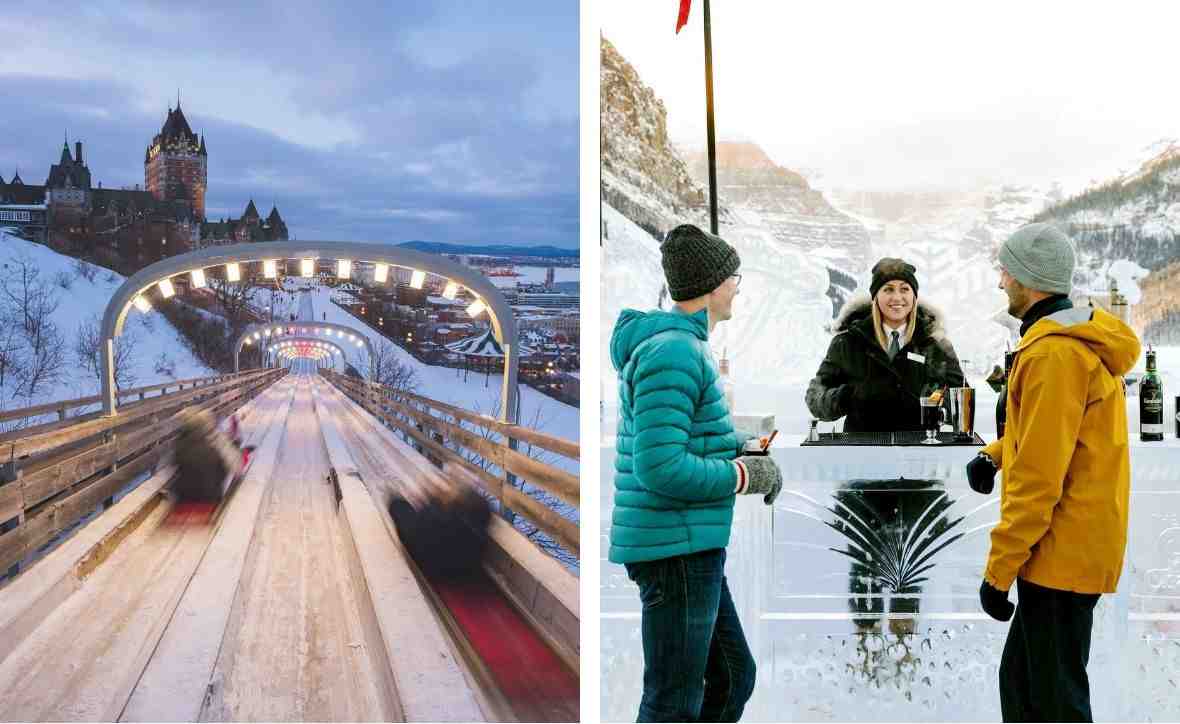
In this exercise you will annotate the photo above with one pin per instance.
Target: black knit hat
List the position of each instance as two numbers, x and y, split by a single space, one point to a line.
890 269
696 262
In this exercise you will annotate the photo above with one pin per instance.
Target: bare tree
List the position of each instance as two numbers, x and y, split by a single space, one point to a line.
88 352
234 298
46 359
391 371
26 295
88 347
12 354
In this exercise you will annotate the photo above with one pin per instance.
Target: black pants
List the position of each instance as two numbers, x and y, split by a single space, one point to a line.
1043 668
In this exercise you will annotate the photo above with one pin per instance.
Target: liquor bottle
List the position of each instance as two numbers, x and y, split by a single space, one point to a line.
1151 403
1002 400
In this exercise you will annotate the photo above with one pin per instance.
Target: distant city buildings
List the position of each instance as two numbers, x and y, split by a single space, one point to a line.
435 329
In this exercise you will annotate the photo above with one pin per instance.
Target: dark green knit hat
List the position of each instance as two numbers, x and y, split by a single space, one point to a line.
696 262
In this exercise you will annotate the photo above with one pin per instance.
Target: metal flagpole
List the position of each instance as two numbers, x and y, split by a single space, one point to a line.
712 138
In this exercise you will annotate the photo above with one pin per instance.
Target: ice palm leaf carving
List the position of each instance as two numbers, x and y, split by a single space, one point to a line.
897 554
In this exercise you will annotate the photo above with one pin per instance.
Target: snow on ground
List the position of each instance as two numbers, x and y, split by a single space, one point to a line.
154 338
442 383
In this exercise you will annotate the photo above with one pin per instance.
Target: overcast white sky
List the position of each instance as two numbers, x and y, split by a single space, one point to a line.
929 95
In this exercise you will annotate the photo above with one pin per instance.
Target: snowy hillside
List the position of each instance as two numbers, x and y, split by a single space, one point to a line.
41 362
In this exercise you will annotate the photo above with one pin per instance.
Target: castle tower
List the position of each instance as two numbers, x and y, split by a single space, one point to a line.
68 183
276 228
175 165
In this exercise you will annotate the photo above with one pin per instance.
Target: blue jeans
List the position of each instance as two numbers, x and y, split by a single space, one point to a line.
697 665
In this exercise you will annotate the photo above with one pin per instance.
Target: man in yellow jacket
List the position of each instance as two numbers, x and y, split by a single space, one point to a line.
1066 479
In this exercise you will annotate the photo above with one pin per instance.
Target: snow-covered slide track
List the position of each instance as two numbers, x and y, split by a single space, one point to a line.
293 601
83 658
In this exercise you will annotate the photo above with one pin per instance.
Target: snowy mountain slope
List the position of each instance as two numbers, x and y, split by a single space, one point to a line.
159 352
779 201
642 174
776 338
1134 215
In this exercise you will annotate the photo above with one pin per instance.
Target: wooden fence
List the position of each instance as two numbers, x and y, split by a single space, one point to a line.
57 473
433 424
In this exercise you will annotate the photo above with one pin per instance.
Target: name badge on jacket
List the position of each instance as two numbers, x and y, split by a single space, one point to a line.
915 357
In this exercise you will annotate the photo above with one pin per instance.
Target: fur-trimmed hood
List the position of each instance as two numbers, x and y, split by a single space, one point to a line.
860 307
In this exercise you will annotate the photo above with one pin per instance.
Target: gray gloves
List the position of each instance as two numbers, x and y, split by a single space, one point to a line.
759 474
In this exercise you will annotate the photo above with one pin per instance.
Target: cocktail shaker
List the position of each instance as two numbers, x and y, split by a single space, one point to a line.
960 403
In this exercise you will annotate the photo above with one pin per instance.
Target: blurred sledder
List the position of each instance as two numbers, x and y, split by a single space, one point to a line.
208 461
444 527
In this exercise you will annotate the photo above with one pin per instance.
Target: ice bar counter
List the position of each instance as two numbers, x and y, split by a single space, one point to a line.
858 589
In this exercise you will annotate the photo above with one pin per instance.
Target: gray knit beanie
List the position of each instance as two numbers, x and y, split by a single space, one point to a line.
696 262
1041 257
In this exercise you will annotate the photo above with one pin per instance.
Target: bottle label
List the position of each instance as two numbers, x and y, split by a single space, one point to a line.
1147 428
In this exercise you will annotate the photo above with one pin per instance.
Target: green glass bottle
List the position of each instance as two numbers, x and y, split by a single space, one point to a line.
1151 403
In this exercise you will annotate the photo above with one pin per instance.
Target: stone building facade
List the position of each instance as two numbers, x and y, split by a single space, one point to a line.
176 164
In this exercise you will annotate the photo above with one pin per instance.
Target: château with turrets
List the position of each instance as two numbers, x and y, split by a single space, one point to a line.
130 228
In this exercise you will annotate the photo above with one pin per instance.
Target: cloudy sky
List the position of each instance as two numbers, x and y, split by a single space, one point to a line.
918 95
453 120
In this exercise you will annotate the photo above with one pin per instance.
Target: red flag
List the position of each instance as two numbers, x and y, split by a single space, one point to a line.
682 19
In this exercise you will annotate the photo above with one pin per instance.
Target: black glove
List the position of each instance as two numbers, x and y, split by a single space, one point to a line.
981 474
764 476
856 396
995 602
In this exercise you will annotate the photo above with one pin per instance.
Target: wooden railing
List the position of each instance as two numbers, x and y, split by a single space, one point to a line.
433 425
56 474
63 408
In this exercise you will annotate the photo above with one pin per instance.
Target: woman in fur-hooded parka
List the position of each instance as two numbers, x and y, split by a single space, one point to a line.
857 379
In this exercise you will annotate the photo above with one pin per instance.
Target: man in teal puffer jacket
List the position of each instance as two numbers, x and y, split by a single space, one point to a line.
677 470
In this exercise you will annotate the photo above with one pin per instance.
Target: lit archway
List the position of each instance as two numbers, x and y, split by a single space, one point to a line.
138 288
290 348
262 334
